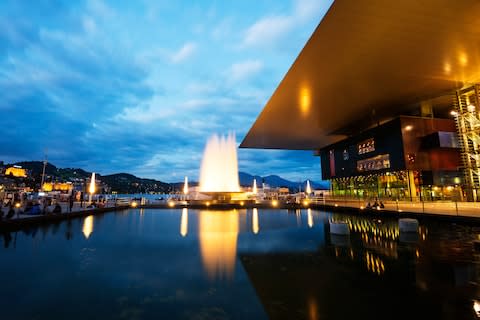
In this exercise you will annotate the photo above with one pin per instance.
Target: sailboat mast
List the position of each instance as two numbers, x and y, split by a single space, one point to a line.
43 171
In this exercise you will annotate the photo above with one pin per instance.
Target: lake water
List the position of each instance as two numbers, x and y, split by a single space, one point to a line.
244 264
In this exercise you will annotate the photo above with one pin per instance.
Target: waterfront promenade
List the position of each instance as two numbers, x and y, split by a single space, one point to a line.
442 209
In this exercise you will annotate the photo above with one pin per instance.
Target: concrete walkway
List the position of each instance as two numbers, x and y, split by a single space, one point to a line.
444 208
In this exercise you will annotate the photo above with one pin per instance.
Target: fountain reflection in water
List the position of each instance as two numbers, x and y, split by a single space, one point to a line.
255 225
218 231
184 223
87 228
219 169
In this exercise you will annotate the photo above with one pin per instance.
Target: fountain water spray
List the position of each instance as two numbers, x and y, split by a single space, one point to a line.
185 186
91 189
308 189
219 169
254 188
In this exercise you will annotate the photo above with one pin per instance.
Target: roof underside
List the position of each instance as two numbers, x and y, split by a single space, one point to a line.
367 61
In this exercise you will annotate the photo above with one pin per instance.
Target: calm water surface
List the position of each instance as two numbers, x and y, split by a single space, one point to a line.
245 264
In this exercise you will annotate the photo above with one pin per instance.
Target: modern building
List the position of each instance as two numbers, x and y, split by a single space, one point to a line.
370 68
405 158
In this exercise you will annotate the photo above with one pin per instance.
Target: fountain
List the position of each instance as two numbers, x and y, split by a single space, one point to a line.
308 189
91 189
254 188
219 170
185 186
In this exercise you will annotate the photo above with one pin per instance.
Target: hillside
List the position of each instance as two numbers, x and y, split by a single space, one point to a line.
120 182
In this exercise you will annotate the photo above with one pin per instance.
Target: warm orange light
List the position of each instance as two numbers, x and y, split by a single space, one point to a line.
447 68
309 218
17 205
463 59
185 186
184 222
242 203
304 100
171 204
274 203
254 188
87 226
134 204
217 233
16 172
408 128
255 225
476 307
91 189
207 203
454 113
305 203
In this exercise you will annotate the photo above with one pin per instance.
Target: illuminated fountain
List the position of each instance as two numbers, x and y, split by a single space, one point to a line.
254 188
91 189
308 189
219 170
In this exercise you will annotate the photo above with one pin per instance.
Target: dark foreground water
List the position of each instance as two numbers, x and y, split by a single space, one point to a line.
179 264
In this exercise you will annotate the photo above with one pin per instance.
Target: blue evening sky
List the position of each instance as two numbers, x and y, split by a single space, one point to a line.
139 86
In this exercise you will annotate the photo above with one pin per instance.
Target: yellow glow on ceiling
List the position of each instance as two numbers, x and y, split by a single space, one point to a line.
463 59
305 100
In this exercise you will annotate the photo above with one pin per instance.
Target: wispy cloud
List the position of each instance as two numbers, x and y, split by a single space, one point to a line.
269 29
107 85
185 52
243 70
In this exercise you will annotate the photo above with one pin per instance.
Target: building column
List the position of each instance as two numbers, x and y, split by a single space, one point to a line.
468 129
412 189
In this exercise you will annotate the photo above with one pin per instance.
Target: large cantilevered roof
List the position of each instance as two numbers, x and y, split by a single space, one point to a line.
370 58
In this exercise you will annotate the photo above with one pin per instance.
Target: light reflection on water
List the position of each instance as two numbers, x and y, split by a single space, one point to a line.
217 233
255 225
184 222
87 228
185 263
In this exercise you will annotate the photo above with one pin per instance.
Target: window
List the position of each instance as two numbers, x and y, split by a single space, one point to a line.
375 163
366 146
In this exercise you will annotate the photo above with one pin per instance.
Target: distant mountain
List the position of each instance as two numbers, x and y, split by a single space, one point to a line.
128 183
275 181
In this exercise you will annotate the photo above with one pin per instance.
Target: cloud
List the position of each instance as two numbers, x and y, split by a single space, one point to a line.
89 24
105 90
185 52
268 30
243 70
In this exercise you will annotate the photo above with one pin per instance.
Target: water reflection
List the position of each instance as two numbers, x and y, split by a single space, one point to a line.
217 232
255 226
309 218
87 228
7 238
313 309
288 272
184 222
